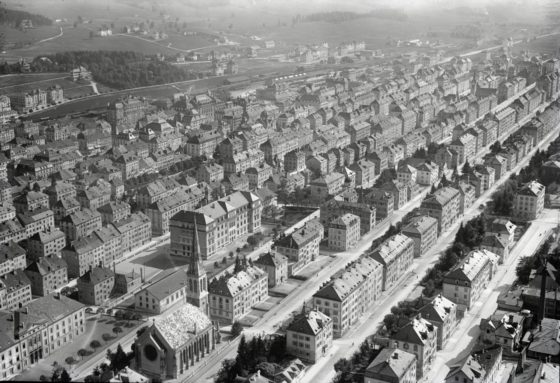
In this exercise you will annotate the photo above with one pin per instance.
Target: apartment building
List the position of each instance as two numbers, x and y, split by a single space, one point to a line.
47 274
442 313
464 284
83 253
383 201
423 230
309 336
81 224
233 296
218 224
301 246
12 257
334 208
529 201
134 231
419 337
95 286
276 265
35 331
443 205
350 293
344 232
45 243
395 254
17 290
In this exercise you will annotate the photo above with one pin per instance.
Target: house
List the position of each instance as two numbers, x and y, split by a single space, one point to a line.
442 313
309 336
95 286
504 329
276 265
419 337
12 257
497 244
17 290
442 205
482 366
391 366
544 343
344 232
174 344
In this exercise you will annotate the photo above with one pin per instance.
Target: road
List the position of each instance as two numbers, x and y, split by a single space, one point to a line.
466 334
344 347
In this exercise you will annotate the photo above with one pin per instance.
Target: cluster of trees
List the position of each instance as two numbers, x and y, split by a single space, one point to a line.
392 230
341 16
352 370
117 69
527 264
401 314
387 175
59 374
259 353
118 360
468 237
14 18
429 153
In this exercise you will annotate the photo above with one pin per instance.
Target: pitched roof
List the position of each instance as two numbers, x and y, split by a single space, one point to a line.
181 325
311 323
96 275
417 331
391 363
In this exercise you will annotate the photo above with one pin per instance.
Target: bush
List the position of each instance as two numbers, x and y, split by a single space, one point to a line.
117 330
95 344
106 337
70 360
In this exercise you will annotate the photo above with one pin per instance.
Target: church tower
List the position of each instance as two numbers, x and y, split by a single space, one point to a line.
197 280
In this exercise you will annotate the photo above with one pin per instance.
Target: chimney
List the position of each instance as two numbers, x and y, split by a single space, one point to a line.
510 318
17 321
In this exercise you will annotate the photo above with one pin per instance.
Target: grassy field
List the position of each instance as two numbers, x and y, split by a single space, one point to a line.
9 81
27 82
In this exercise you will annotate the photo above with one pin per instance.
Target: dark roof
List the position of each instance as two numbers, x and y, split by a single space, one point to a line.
96 275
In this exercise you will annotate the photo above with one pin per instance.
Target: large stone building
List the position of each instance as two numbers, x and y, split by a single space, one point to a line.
396 255
218 224
418 337
34 332
95 286
350 293
301 246
47 274
465 283
424 232
529 201
344 232
443 205
174 344
233 296
309 336
442 313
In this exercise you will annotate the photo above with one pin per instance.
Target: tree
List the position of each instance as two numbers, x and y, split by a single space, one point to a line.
106 337
82 352
236 329
119 359
117 330
224 260
466 168
216 265
95 344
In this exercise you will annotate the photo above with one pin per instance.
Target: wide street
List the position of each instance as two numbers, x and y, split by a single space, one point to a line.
344 347
466 334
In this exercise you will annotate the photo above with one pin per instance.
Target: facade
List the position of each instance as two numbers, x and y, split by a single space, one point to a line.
174 343
17 290
46 243
82 254
392 366
344 232
334 208
80 224
396 255
420 338
464 284
348 295
301 246
12 257
218 224
309 336
233 296
443 205
424 232
529 201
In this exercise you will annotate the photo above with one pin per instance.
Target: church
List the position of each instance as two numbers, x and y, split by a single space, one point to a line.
174 343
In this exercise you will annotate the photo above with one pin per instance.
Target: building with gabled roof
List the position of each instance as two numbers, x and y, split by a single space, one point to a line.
233 296
12 257
465 283
172 345
529 201
95 286
419 336
351 291
276 265
424 232
301 246
47 274
395 254
309 336
442 313
443 205
344 232
391 366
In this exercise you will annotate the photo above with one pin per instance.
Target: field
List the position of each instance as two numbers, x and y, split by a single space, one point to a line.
549 45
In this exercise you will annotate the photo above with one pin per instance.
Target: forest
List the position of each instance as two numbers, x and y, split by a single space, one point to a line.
14 17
